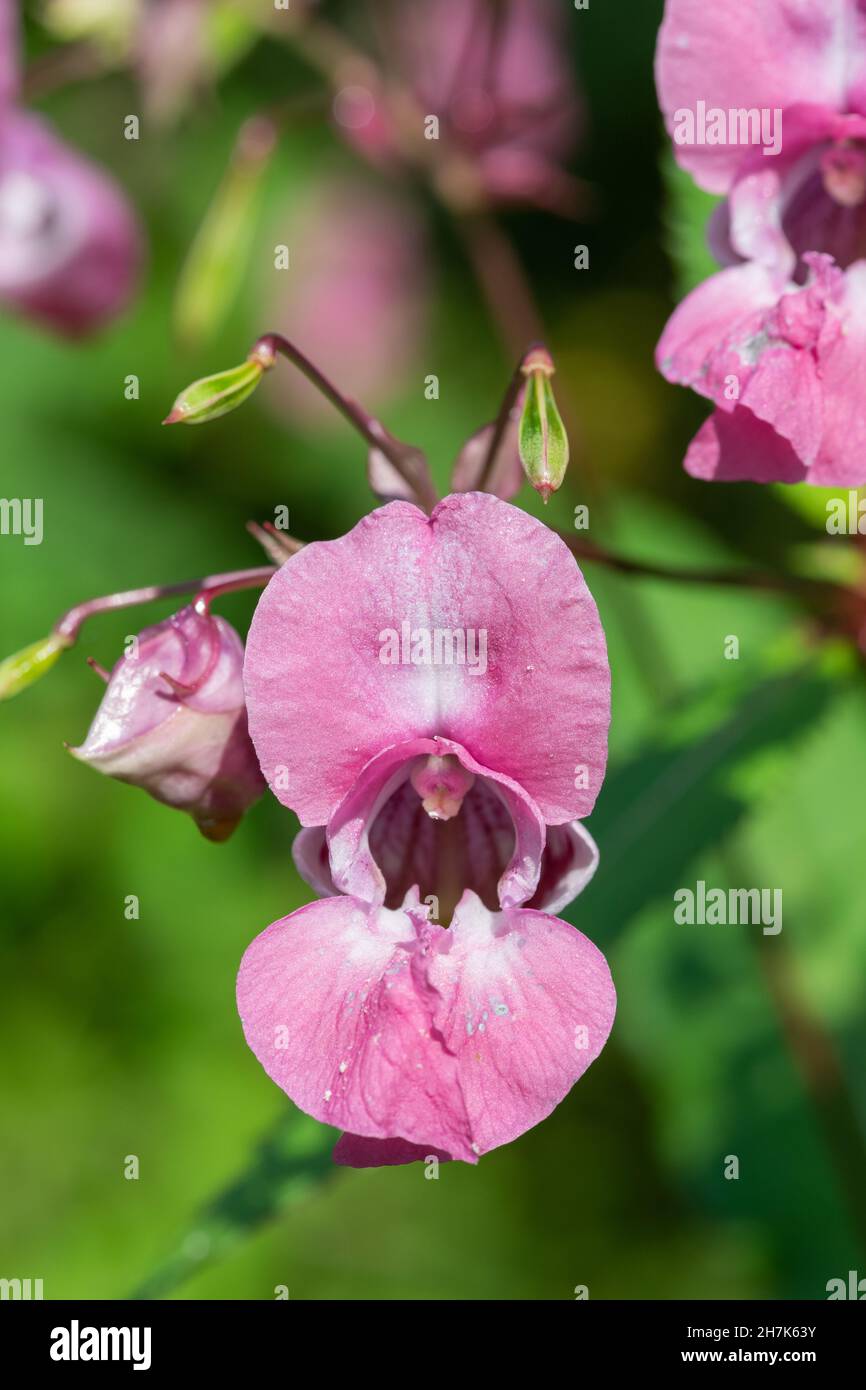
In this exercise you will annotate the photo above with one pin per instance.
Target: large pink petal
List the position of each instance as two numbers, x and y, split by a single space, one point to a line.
736 54
569 861
453 1041
525 1003
842 458
330 1003
738 447
322 703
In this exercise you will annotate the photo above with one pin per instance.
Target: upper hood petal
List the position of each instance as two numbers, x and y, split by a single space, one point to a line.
322 702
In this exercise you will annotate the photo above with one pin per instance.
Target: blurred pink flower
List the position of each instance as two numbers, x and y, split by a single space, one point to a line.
173 721
357 298
783 365
413 1037
70 246
804 61
500 79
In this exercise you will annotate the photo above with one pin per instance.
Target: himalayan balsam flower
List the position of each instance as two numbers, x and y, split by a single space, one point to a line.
173 721
782 364
429 787
775 341
69 243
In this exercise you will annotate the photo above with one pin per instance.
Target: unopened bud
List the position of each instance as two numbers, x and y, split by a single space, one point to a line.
216 395
542 439
26 666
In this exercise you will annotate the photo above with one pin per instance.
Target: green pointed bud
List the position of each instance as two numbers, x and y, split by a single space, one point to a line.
213 396
26 666
542 439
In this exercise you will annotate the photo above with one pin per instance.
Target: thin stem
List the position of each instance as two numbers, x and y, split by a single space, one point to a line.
70 623
509 400
409 462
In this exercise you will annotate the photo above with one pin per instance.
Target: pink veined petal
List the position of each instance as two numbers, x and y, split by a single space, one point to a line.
356 1151
738 447
330 1005
525 1003
310 853
774 54
353 865
570 859
709 315
322 702
842 458
755 225
453 1041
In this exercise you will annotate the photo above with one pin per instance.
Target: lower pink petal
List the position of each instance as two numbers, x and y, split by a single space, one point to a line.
525 1004
330 1005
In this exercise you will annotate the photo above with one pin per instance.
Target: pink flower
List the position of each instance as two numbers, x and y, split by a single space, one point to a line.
782 364
500 80
173 721
451 784
70 246
804 66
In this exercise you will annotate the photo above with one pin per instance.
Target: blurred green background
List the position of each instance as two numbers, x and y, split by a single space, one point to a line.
121 1037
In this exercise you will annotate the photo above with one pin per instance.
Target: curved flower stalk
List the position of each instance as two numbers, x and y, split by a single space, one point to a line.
766 104
70 246
433 791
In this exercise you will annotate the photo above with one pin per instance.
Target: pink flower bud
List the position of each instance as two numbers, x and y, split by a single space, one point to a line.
173 721
69 243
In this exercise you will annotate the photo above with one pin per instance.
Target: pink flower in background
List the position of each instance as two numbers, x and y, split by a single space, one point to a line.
173 721
775 342
805 61
783 365
360 279
70 246
458 782
499 77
